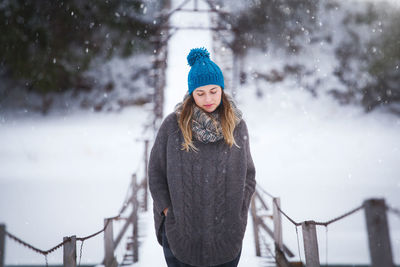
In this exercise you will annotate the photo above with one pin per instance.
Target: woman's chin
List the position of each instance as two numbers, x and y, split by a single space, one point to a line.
209 109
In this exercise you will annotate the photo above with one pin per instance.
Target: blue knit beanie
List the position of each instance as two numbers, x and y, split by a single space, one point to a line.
203 71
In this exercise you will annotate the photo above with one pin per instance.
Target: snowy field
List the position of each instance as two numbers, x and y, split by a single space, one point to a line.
62 175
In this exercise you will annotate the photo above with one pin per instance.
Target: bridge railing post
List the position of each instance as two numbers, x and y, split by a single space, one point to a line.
146 178
69 258
2 243
277 223
109 259
310 244
135 208
279 248
255 226
378 233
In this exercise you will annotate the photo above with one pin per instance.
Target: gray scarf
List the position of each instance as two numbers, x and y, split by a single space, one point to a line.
206 126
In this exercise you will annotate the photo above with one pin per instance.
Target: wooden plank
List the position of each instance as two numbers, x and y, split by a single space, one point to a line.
281 259
378 233
127 204
310 244
271 234
261 200
124 228
69 257
2 243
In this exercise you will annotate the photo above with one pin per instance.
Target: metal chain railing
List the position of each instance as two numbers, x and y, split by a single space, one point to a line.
46 252
82 239
393 210
43 252
311 222
341 216
389 208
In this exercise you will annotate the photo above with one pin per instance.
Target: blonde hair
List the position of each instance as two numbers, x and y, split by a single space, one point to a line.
226 115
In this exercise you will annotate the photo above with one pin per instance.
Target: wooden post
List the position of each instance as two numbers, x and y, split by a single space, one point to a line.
2 243
146 148
109 259
310 244
135 241
134 220
159 66
277 223
195 5
378 233
279 255
255 226
69 259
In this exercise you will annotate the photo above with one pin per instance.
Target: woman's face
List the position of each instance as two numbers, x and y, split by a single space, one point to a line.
208 97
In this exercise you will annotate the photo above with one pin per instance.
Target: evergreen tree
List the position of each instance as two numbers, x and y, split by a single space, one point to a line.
384 67
270 24
47 45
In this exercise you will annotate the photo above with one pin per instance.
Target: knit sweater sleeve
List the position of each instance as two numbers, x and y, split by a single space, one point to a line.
157 169
250 183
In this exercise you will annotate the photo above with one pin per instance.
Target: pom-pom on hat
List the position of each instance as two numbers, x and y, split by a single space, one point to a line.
203 71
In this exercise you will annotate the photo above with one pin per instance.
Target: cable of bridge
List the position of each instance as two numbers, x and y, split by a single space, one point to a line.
274 199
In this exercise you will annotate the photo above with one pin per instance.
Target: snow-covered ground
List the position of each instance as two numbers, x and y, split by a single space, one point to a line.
62 175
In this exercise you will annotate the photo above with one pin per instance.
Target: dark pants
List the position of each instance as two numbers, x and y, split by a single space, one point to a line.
174 262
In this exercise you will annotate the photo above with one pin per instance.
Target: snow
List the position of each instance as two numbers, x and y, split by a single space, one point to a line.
62 175
323 160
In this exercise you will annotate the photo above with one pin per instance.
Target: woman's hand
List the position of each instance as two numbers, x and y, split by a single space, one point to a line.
165 211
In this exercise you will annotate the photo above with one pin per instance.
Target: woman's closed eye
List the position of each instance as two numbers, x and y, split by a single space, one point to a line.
203 94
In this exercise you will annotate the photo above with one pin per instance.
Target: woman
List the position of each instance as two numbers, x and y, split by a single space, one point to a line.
201 173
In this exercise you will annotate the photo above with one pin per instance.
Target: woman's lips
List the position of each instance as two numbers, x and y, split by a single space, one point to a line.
207 106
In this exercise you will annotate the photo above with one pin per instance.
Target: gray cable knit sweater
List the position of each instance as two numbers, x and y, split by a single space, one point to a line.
208 194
